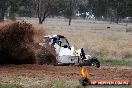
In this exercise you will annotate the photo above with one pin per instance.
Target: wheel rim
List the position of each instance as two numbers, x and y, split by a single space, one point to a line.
94 64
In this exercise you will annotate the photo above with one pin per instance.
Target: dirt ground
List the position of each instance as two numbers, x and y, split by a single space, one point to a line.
27 75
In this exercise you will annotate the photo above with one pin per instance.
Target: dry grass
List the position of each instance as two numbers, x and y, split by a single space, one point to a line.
129 29
93 36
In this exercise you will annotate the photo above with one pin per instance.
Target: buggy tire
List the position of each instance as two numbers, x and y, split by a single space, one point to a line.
48 59
95 62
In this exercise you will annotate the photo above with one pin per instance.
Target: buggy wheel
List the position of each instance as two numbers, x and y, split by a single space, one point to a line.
95 62
48 59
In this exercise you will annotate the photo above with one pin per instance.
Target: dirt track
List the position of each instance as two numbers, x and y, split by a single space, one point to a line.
62 72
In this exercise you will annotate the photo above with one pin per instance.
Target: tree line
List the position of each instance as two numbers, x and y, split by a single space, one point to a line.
110 10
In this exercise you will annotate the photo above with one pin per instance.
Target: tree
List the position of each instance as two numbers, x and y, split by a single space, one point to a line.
13 7
111 9
25 8
3 7
43 8
10 7
71 8
119 8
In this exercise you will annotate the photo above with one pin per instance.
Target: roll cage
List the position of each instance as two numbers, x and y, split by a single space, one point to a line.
61 41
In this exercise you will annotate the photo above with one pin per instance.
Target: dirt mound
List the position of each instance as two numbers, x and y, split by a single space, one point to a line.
16 43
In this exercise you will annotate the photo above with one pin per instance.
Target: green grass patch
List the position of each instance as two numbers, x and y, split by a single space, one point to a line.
9 86
129 29
120 62
63 84
56 84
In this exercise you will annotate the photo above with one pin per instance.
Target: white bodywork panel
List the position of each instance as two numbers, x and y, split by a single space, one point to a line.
57 48
65 55
64 51
68 59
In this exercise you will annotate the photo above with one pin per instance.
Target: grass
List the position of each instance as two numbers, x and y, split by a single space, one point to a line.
57 84
109 62
9 86
61 84
129 29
